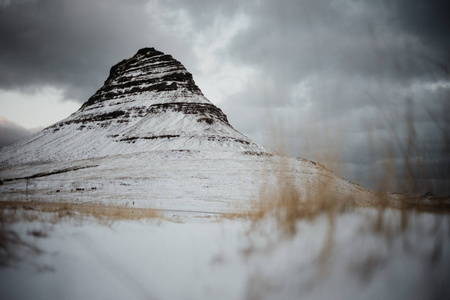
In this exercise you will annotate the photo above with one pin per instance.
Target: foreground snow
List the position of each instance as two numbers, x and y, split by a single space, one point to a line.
205 256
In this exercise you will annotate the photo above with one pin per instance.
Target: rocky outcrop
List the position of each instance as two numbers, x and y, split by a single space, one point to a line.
148 70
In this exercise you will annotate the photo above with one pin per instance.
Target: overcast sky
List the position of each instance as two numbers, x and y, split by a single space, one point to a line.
345 82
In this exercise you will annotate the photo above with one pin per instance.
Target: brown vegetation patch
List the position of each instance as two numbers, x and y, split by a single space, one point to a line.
105 213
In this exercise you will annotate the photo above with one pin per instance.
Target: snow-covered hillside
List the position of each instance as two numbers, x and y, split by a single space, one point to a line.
150 137
210 181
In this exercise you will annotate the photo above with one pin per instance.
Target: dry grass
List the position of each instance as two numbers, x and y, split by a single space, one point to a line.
12 211
287 204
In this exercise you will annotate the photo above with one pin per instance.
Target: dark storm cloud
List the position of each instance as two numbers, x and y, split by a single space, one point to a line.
293 39
428 20
71 44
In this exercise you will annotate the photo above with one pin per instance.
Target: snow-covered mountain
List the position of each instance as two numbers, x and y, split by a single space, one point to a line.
148 102
149 137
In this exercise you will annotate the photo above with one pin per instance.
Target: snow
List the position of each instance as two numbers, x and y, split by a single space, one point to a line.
216 181
202 257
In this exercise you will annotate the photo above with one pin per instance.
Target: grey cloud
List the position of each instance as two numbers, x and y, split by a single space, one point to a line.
294 39
10 132
203 13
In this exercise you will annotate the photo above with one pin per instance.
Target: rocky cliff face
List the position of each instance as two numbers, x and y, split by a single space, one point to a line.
149 102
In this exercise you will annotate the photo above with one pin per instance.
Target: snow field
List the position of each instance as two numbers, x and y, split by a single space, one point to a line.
200 256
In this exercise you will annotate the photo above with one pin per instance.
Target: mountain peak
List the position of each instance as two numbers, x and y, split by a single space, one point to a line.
149 71
150 51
